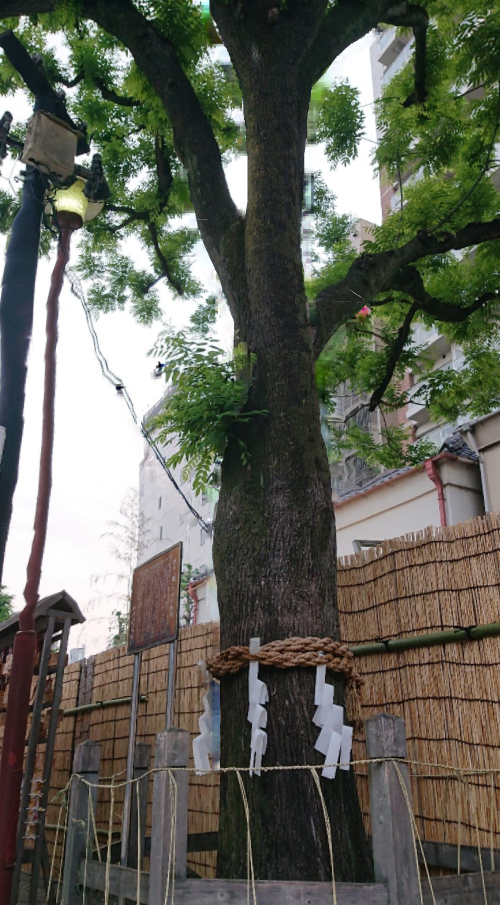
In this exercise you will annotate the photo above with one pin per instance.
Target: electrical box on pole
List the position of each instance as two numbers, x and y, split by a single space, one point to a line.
51 146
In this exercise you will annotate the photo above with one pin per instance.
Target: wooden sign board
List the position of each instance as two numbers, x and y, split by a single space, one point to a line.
154 609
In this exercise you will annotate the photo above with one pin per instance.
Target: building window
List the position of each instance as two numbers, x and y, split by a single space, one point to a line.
161 532
202 536
159 502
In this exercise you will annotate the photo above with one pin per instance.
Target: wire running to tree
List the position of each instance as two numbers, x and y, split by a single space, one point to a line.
117 383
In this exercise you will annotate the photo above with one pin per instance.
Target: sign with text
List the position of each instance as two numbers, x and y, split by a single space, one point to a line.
154 609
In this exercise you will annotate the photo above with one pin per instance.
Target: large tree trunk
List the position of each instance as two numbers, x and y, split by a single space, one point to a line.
274 543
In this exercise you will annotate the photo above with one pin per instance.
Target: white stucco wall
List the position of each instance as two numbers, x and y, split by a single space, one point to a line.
409 503
486 433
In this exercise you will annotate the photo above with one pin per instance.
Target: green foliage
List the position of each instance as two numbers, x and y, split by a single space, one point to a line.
341 123
395 450
120 629
206 403
443 151
6 607
205 316
446 145
331 230
128 139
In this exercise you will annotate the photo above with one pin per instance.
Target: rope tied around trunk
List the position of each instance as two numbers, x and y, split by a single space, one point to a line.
288 654
293 652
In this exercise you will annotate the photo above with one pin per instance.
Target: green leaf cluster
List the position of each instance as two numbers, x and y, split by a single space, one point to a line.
394 450
128 137
206 403
340 123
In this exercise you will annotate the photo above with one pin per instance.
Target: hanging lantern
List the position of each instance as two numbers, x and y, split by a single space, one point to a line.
74 201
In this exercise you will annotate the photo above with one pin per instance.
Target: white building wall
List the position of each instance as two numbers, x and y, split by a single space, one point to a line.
166 520
409 503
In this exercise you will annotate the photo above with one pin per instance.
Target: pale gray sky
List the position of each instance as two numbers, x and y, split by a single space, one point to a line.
97 446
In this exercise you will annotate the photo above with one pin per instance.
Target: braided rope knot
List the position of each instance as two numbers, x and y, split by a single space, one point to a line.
290 653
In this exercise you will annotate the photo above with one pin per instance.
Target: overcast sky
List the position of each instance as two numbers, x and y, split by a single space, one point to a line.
97 446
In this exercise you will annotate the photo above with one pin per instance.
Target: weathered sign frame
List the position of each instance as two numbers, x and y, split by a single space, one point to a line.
135 646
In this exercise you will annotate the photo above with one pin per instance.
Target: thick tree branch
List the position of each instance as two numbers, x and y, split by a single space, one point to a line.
194 139
343 24
396 350
410 281
410 15
110 95
70 83
166 272
371 274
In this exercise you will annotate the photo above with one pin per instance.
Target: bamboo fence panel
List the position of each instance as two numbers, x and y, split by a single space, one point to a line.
449 696
62 764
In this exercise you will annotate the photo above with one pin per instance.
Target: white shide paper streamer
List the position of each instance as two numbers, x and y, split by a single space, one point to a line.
334 739
257 714
202 744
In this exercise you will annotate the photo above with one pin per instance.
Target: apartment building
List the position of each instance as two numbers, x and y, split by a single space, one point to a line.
166 519
389 53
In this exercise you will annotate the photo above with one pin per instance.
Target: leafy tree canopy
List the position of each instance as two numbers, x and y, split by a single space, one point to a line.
439 120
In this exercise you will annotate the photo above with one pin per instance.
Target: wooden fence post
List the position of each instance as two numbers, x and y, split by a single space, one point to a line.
142 763
86 764
172 750
137 836
392 837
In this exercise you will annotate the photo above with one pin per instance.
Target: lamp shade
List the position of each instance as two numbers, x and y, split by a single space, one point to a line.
74 201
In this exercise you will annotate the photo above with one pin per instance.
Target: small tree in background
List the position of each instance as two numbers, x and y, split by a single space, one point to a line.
129 536
6 608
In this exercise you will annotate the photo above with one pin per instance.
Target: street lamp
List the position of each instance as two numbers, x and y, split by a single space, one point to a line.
53 141
71 207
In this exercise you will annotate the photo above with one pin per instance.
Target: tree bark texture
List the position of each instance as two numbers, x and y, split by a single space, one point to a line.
274 541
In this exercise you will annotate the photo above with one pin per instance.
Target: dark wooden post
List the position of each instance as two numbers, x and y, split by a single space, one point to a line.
142 763
138 807
393 847
172 750
86 764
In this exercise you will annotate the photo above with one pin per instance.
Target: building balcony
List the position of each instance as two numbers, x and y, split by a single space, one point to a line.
416 409
390 45
401 59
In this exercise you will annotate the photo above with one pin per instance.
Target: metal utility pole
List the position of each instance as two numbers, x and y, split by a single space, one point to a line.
18 285
16 320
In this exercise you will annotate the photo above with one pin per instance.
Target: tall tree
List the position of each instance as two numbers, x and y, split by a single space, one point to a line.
160 112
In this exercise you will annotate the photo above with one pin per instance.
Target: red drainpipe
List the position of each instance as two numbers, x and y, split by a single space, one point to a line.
194 597
435 477
191 589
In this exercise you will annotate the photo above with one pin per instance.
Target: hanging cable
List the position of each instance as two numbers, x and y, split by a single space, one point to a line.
114 380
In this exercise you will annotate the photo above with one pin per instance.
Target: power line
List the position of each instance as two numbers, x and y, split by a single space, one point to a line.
117 383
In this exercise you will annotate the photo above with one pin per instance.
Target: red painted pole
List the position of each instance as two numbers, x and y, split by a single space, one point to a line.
23 660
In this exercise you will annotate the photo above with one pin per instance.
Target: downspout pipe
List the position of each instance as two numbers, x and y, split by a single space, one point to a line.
471 442
191 589
194 597
433 473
